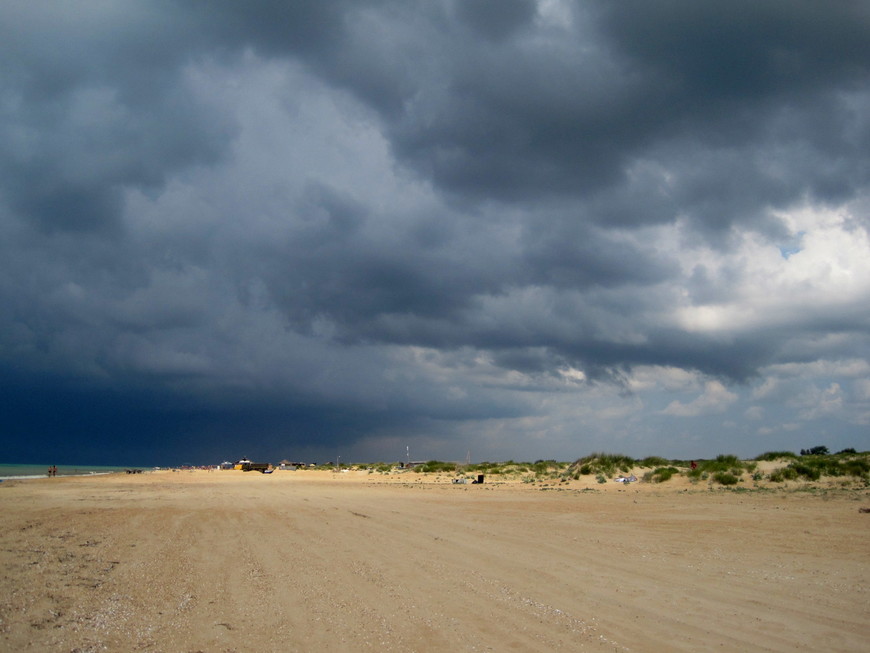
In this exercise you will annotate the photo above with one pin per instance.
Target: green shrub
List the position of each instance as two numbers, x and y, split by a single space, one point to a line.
725 478
603 463
775 455
435 466
543 466
721 463
783 474
662 474
811 472
814 466
653 461
481 467
856 467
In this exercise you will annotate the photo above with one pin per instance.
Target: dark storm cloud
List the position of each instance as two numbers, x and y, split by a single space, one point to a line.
497 19
93 104
521 119
49 418
744 50
286 203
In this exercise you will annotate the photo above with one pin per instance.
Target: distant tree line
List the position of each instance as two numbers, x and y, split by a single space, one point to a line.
822 450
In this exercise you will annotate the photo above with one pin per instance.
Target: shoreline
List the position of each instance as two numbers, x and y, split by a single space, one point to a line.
15 471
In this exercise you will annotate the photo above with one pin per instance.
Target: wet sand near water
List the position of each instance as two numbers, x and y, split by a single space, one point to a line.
315 561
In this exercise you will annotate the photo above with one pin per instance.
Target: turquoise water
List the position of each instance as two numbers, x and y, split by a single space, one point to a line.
41 471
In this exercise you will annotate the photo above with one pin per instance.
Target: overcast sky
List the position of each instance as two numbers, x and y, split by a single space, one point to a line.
448 228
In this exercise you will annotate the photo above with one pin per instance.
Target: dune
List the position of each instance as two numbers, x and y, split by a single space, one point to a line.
320 561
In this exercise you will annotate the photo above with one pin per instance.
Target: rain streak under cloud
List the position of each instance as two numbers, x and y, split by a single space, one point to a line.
511 228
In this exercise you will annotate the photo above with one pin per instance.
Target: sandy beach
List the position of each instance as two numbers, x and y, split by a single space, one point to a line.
319 561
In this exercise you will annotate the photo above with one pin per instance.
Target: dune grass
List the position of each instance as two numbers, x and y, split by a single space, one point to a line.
813 466
607 464
660 474
775 455
724 469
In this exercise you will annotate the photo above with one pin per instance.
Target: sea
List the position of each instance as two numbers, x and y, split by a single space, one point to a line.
9 472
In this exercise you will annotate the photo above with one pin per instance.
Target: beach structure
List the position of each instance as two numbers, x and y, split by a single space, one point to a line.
246 465
256 467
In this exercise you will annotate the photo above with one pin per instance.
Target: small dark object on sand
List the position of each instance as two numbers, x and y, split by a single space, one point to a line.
863 509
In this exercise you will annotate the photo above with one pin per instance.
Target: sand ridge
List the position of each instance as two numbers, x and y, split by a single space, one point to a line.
304 561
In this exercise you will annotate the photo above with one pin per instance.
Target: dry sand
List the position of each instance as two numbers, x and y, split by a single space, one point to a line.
314 561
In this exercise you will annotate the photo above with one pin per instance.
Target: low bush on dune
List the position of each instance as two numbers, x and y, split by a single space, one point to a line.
814 466
484 468
654 461
607 464
725 478
722 463
848 466
435 466
809 472
724 469
660 474
783 474
542 467
775 455
855 467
